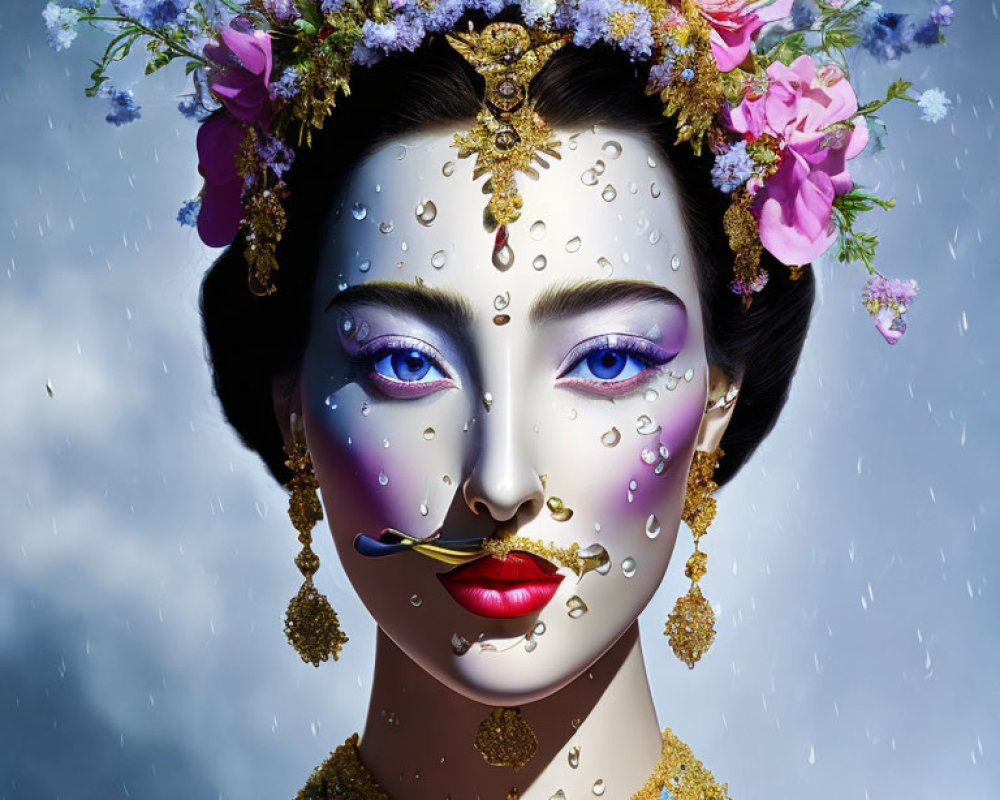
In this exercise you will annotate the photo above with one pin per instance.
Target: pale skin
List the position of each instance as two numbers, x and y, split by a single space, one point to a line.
425 415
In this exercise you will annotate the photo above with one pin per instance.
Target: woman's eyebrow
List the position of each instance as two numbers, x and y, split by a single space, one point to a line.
565 300
439 306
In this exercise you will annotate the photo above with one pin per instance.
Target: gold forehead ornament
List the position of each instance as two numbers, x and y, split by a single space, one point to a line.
509 136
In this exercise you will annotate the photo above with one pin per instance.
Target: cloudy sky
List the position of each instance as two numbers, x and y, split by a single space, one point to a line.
146 561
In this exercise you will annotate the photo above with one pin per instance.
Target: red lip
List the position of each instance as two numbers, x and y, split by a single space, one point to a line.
516 586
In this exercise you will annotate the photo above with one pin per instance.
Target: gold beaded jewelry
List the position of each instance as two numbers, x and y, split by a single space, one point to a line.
505 739
311 625
691 625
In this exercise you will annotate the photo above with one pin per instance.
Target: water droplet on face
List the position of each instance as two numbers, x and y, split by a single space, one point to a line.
611 149
459 644
438 259
632 187
598 787
689 375
501 301
607 268
633 485
652 526
611 438
359 211
599 167
645 425
675 262
589 177
558 510
364 332
664 452
385 443
609 193
575 607
596 558
487 401
415 601
573 244
383 479
365 265
648 456
651 161
366 409
539 628
446 479
560 794
385 227
573 414
530 645
347 325
429 433
574 756
341 287
400 152
424 510
629 567
404 247
655 236
329 402
537 230
651 395
503 258
448 169
654 189
539 262
426 213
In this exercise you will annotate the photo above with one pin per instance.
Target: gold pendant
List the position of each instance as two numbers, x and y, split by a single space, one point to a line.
504 739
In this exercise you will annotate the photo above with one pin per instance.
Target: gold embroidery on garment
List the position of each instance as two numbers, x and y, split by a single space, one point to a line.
509 136
344 777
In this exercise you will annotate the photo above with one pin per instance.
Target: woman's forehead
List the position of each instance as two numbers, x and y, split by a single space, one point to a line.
607 208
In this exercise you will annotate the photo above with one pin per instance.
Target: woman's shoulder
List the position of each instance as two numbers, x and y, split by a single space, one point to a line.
680 776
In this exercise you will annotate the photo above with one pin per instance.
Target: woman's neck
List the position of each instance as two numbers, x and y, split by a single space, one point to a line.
418 739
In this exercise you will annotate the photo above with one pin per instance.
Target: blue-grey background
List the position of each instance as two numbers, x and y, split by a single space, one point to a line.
146 561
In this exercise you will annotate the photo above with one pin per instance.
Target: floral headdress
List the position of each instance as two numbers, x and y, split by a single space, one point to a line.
763 84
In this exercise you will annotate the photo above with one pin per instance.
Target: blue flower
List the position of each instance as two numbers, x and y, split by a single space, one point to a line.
276 154
188 214
661 75
191 108
287 86
733 168
60 24
934 105
443 15
887 36
156 14
404 32
124 109
803 14
331 6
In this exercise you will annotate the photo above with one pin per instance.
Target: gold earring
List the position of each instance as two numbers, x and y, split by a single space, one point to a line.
505 739
311 625
691 625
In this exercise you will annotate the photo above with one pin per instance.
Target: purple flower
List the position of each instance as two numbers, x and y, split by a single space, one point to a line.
887 36
275 153
741 287
661 75
331 6
627 25
282 10
942 14
287 86
188 214
442 15
404 32
733 168
218 142
888 300
192 108
156 14
243 71
123 108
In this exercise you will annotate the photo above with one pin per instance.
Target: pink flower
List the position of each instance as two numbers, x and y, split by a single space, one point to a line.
794 207
242 74
219 140
735 25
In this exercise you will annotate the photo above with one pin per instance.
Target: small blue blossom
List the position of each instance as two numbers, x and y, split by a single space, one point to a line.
733 168
934 105
287 85
627 25
942 14
803 14
404 32
156 14
60 24
124 109
687 74
443 15
887 36
331 6
188 214
276 154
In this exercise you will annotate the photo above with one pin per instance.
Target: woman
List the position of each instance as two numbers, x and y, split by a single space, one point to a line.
557 397
523 403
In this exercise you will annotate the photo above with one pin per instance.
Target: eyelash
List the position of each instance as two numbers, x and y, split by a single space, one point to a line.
648 356
381 352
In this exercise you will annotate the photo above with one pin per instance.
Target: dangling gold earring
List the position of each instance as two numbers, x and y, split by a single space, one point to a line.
311 625
691 625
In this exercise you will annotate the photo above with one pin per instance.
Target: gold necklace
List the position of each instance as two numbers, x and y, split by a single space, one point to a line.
344 777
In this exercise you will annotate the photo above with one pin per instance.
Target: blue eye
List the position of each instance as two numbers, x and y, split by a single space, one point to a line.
608 364
407 366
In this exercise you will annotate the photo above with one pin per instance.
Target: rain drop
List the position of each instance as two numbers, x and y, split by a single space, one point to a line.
539 262
415 601
609 193
574 756
652 526
459 644
675 262
383 479
573 244
654 189
429 433
598 787
537 230
629 567
426 213
359 211
575 607
645 425
385 227
503 258
589 177
448 169
612 149
611 438
438 259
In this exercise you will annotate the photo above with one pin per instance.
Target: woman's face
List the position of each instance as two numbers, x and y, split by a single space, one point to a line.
551 391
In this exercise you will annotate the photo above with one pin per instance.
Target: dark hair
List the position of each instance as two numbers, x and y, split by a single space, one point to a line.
251 339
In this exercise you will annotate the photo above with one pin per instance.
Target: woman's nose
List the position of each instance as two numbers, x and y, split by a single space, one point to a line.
502 480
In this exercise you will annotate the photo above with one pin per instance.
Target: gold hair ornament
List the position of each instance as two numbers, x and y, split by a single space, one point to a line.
311 624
